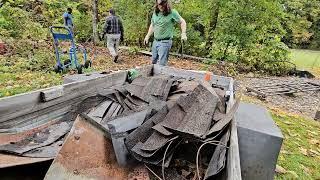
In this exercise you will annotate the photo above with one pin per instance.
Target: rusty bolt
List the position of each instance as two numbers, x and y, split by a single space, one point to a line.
76 137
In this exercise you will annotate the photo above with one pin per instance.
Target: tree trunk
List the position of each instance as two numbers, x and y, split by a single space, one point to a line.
213 22
94 20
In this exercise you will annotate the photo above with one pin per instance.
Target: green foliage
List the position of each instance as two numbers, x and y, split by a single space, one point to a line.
17 23
249 33
135 15
302 23
253 35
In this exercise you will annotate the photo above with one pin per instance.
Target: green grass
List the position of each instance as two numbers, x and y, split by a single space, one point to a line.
300 152
21 82
306 59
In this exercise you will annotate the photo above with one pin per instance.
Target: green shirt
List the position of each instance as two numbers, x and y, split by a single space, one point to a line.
163 26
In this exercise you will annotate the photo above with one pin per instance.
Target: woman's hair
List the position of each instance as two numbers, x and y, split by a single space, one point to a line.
166 5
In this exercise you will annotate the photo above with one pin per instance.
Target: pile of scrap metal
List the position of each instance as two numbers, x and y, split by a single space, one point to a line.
178 128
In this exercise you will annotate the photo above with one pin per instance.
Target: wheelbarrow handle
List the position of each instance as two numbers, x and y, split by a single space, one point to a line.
59 27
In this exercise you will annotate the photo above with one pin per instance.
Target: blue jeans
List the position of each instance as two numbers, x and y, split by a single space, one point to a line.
160 51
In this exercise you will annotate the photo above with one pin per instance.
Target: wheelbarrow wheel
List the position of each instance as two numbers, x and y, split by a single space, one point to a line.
87 64
67 63
57 69
79 68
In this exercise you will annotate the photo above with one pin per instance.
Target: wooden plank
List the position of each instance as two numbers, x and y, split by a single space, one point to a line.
315 84
257 92
29 103
182 56
233 165
27 109
100 110
51 93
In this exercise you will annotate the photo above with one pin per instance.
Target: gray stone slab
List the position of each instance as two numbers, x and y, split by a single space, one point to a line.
154 142
260 142
225 120
217 162
127 123
142 133
122 154
100 110
199 107
114 106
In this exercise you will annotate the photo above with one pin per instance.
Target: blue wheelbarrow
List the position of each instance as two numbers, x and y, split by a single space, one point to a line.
62 33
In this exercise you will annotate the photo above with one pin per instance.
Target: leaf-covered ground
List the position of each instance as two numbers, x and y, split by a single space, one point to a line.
300 153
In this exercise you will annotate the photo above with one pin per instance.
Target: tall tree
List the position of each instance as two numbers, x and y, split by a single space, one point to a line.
94 20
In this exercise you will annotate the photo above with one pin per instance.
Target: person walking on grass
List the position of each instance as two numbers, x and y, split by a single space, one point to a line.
67 19
114 30
162 28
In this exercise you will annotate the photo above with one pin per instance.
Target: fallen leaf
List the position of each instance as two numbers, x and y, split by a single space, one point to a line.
291 134
303 151
288 122
7 93
294 174
313 132
314 152
297 144
305 169
280 170
314 142
185 173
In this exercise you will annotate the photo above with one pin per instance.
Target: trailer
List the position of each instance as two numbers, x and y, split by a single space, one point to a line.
32 113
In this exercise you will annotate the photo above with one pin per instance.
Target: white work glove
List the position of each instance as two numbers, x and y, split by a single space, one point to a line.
184 36
146 40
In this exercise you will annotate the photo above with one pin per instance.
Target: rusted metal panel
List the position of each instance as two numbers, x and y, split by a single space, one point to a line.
12 160
86 154
40 139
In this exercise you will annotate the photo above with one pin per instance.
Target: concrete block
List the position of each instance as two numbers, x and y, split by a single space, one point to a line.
82 77
260 142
